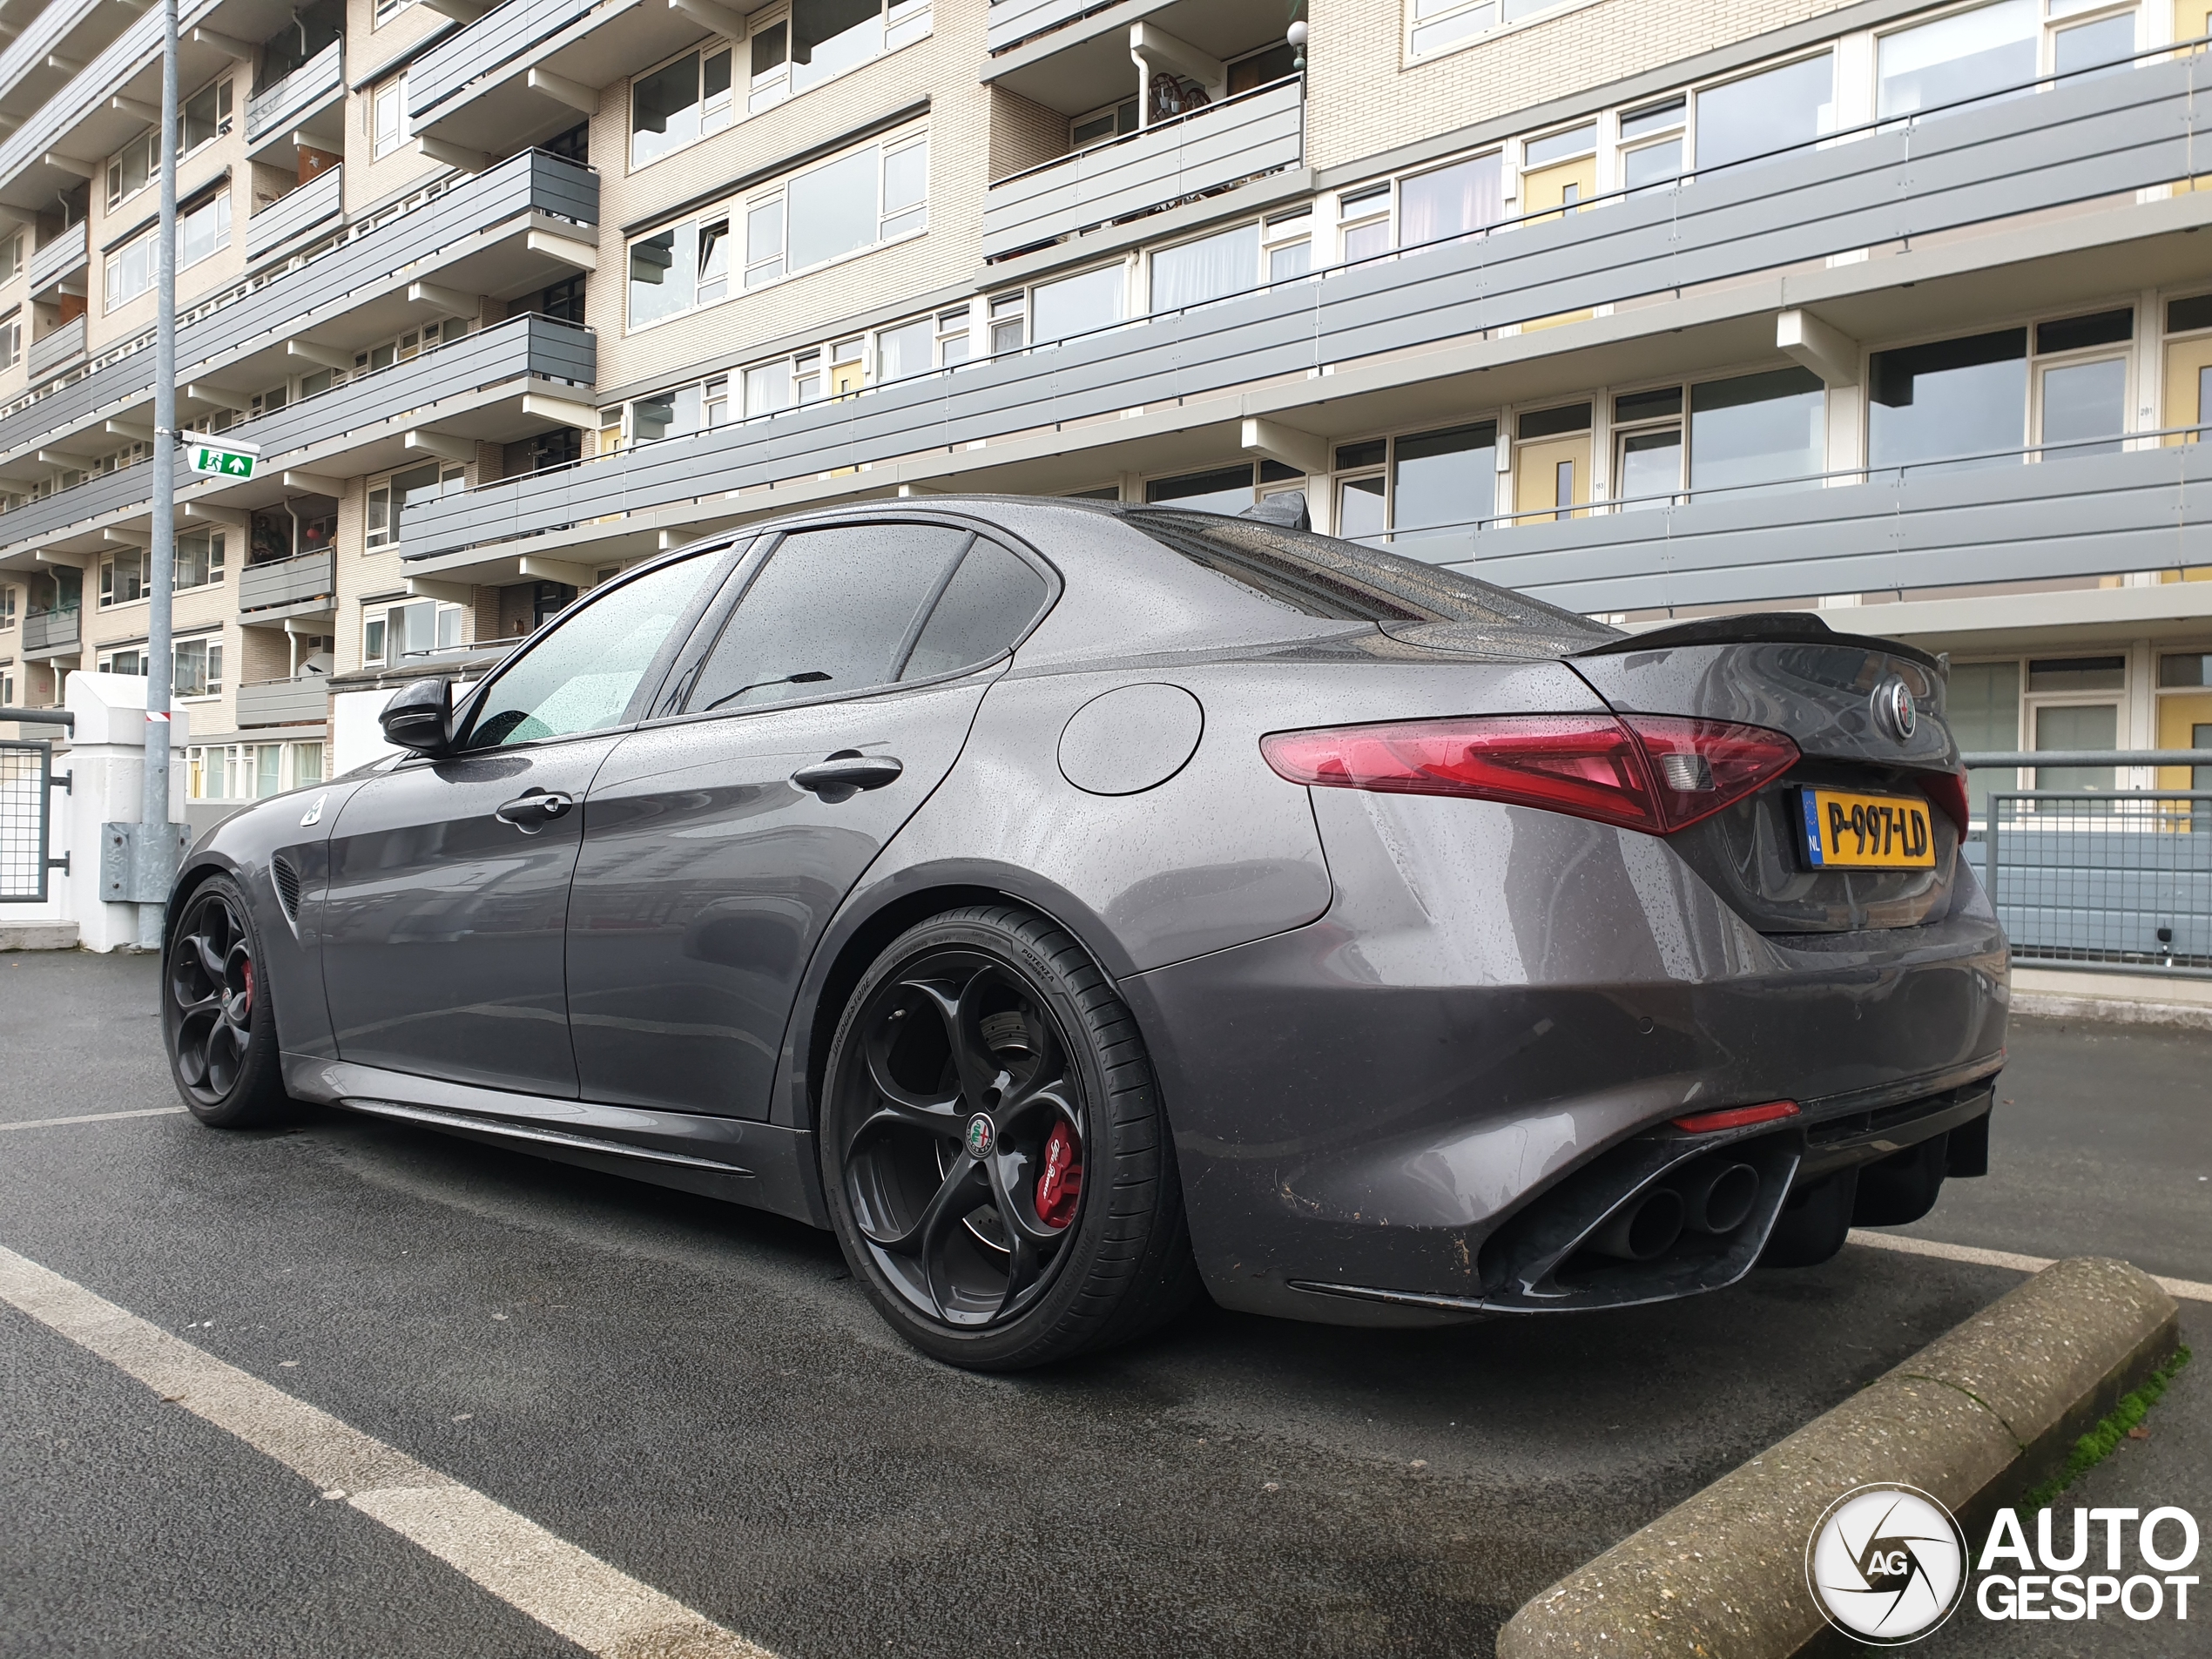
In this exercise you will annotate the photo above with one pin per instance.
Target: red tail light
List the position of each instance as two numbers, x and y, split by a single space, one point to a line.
1653 773
1948 790
1736 1116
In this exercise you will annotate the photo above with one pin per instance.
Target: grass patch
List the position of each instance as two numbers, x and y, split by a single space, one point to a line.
2098 1444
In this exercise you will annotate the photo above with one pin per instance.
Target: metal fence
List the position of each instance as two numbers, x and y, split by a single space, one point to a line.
25 804
2113 879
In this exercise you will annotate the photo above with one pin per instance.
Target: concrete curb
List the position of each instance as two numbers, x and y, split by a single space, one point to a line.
38 936
2044 1005
1976 1417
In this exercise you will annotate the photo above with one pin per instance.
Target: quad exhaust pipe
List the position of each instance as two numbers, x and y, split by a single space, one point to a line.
1708 1198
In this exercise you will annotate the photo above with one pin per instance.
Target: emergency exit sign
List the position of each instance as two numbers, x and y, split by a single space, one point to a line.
223 461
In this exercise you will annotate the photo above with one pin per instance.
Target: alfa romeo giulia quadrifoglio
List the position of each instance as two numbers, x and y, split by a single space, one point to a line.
1082 908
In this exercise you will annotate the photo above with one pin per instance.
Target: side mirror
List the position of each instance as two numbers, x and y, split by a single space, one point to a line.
419 716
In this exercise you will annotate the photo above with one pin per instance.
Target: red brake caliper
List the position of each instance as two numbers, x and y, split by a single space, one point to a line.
1062 1184
247 1006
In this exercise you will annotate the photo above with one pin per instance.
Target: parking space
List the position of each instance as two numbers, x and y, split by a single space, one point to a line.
701 1397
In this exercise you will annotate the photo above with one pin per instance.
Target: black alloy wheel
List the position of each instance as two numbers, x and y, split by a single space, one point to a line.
1004 1190
217 1023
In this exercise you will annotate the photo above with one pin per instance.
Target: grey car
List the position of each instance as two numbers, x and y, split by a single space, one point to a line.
1082 908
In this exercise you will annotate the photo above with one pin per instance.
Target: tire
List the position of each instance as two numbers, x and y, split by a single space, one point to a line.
977 1040
1814 1222
218 1021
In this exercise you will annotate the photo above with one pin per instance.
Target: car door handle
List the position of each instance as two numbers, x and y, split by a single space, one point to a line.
839 776
531 813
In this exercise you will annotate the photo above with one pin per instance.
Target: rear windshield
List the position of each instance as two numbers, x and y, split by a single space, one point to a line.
1322 577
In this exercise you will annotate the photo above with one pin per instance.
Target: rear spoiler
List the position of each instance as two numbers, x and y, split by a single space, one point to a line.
1759 628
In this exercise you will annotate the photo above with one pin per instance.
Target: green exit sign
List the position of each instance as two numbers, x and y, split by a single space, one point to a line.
224 462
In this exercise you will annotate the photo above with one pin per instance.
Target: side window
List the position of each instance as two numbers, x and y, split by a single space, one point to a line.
580 678
834 611
991 598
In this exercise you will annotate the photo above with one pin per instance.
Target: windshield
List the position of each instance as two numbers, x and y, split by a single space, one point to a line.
1322 577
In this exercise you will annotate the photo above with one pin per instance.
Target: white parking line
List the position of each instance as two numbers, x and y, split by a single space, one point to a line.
2187 1290
92 1117
572 1593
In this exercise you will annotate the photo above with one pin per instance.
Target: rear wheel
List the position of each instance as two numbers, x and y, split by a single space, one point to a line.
216 1019
995 1160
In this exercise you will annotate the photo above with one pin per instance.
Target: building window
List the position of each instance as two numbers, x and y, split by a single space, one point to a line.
794 49
204 230
199 557
391 634
1447 204
8 684
1115 121
1651 144
10 342
390 498
1559 170
1966 402
1192 272
1747 433
11 256
1776 109
1996 51
205 117
387 116
7 609
1363 222
1439 25
199 668
678 104
680 411
132 168
859 200
403 347
2064 713
680 269
1220 489
123 579
1418 484
388 10
130 271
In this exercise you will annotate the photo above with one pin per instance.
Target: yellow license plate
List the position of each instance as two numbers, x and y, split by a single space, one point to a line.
1848 831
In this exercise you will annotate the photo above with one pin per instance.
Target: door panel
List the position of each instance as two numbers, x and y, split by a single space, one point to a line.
707 877
2188 402
1551 472
442 941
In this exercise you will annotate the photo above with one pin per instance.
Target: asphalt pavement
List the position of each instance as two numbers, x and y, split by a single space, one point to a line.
701 1397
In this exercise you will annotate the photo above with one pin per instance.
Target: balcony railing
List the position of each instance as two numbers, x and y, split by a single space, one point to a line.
299 94
298 580
55 352
91 88
294 702
1913 178
49 631
43 34
66 252
530 345
318 201
1012 21
370 256
1259 131
498 38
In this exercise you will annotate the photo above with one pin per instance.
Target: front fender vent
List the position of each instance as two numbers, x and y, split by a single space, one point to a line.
286 875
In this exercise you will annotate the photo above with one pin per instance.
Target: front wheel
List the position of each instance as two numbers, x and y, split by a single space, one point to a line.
216 1018
996 1162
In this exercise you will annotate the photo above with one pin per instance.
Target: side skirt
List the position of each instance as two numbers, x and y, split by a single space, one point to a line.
764 1166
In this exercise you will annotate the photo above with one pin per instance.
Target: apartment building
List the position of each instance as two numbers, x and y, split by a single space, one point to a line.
1894 310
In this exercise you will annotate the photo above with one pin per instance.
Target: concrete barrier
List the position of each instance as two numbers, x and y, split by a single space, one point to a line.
1975 1418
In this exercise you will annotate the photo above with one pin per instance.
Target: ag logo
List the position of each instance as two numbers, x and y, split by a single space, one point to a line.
980 1135
1893 709
1886 1564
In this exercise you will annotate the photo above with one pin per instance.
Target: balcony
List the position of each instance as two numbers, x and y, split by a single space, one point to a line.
473 88
1259 131
61 259
51 353
368 263
51 633
305 581
85 93
1389 318
275 112
305 701
295 214
361 424
1013 21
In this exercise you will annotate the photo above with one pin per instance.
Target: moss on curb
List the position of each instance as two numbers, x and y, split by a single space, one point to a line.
2100 1442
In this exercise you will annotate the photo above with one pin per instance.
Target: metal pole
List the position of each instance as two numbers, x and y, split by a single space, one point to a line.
157 845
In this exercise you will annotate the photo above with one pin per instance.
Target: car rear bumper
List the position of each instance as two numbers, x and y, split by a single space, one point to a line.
1497 998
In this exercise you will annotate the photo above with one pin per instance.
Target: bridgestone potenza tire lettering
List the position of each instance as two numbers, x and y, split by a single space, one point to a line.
976 1051
217 1019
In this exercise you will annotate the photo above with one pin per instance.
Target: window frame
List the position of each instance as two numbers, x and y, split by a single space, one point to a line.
1413 23
376 537
702 49
117 260
391 94
380 615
